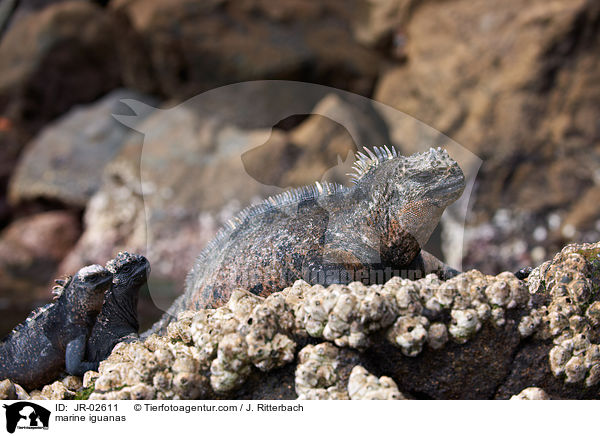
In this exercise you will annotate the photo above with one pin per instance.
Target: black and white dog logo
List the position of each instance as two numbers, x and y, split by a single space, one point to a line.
26 415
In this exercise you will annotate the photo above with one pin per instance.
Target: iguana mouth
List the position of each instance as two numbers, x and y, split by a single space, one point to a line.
105 280
102 285
143 269
440 190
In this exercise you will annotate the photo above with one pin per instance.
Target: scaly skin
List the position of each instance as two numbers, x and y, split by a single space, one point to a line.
53 338
118 320
330 233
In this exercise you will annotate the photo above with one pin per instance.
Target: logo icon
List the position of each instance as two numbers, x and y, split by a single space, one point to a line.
26 415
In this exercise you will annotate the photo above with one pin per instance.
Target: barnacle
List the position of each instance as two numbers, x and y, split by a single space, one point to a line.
464 324
532 393
56 391
566 319
409 333
365 386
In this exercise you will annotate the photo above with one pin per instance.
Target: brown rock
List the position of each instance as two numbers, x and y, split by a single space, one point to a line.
24 8
65 54
381 24
319 147
12 141
31 249
584 213
197 45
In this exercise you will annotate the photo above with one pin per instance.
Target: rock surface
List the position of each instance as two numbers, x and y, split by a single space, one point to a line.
31 249
257 40
318 148
63 55
12 141
516 82
473 336
64 163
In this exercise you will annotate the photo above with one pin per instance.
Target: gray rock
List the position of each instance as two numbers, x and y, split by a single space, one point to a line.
65 161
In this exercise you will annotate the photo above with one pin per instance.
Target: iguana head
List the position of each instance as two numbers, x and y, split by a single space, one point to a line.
130 271
85 290
408 192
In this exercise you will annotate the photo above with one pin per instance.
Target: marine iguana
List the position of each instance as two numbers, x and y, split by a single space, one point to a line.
329 233
49 341
118 321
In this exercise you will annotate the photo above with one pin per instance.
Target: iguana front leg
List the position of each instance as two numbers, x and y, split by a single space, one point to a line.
430 264
74 357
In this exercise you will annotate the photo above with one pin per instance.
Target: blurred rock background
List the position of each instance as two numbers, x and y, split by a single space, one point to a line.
516 82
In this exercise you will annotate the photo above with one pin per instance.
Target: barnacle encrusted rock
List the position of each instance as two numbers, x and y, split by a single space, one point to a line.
215 351
345 315
204 353
72 383
348 315
89 378
160 367
64 389
570 316
437 335
409 333
363 385
564 325
57 391
472 336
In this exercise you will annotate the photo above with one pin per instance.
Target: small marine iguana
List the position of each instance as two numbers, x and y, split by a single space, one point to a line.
118 321
328 233
38 350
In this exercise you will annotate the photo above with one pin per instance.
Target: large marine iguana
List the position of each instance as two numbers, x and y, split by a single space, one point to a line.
49 341
328 233
118 321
